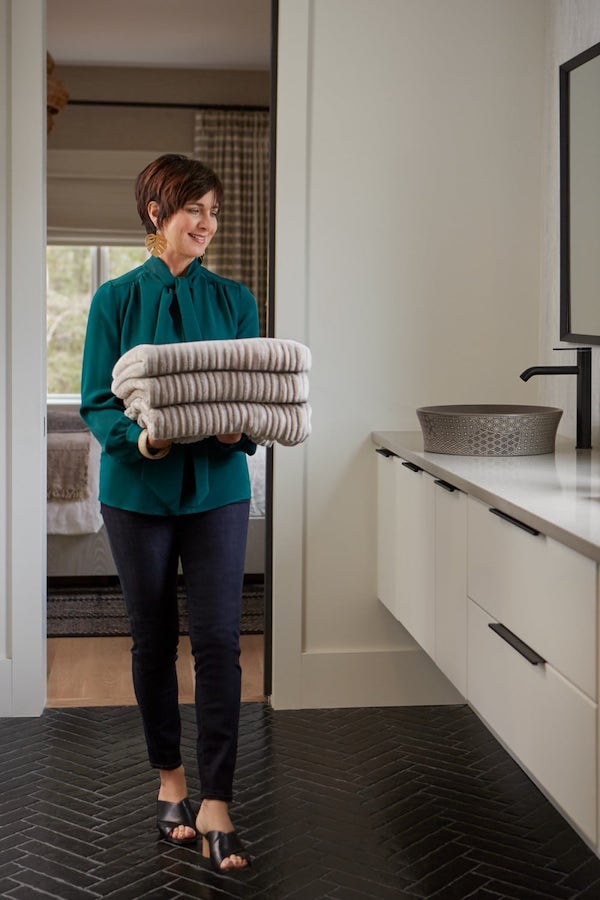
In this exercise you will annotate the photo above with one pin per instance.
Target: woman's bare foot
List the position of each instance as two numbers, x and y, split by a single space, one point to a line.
173 789
214 816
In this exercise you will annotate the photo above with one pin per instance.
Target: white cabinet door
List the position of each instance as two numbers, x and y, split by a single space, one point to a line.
405 547
421 560
451 584
540 589
416 549
387 529
546 722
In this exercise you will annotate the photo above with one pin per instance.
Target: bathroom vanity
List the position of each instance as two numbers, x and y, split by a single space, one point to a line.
491 564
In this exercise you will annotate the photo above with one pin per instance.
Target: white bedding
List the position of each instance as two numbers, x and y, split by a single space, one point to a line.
257 469
78 516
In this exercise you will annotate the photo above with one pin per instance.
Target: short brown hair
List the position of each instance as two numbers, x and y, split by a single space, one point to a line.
172 181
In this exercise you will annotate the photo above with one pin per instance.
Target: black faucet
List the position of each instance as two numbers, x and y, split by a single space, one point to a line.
583 370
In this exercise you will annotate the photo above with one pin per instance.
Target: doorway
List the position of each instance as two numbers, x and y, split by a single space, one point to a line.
118 105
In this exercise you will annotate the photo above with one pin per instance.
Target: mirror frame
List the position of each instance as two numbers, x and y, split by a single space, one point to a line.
565 198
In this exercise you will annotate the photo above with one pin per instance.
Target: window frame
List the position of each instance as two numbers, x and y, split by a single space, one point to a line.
99 241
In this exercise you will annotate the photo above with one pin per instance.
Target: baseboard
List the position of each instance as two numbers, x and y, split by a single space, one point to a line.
6 697
404 677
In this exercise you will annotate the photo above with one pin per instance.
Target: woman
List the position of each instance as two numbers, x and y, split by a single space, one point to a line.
163 503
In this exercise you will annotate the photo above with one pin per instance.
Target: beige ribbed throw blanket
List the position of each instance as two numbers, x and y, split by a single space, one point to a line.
264 423
188 391
239 354
142 394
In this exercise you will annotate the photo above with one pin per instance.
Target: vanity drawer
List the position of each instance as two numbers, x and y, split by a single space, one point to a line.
540 589
549 725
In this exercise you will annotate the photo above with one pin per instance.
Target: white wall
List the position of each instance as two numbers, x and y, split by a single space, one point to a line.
22 351
574 25
407 257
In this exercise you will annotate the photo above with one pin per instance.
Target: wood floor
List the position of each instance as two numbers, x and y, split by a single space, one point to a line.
97 671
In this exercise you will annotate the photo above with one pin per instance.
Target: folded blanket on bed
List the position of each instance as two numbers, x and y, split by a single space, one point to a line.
264 423
79 516
64 420
207 387
240 354
68 465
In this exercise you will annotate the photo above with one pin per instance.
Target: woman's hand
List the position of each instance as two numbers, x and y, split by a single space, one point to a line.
229 438
158 443
153 448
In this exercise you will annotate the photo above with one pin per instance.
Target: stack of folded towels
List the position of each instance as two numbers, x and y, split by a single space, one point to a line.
188 391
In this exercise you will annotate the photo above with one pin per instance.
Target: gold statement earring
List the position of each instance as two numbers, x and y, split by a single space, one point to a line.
156 244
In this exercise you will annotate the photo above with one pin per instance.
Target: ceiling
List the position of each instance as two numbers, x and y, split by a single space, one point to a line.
198 34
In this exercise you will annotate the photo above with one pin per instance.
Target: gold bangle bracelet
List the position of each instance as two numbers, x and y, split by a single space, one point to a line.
146 451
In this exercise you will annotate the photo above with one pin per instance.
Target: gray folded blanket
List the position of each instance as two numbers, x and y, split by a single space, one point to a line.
264 423
141 394
68 460
188 391
239 354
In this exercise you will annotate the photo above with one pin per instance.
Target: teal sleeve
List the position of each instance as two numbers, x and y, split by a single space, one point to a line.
100 409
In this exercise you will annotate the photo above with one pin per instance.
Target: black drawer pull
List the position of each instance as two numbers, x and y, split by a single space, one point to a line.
412 467
444 484
517 644
385 452
507 518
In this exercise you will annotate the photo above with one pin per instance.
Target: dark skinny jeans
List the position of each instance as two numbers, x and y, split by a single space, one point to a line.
211 546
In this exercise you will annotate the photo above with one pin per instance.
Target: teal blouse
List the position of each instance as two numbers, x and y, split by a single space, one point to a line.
149 305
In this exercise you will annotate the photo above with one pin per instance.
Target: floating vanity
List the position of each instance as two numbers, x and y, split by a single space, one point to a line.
491 564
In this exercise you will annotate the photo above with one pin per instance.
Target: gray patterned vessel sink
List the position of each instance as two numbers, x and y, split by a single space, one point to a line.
489 429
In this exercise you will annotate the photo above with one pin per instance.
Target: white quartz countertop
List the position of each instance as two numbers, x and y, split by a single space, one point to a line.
556 493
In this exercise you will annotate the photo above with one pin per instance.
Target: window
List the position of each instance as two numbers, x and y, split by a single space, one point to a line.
74 272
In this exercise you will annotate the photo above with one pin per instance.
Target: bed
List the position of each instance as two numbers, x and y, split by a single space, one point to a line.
77 541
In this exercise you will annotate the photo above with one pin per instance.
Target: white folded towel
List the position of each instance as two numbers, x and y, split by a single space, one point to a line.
241 354
264 423
207 387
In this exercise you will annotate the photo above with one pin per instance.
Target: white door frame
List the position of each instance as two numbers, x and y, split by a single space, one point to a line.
22 347
291 311
22 350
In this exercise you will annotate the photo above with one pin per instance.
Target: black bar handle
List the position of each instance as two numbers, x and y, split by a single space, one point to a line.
412 467
507 518
444 484
385 452
517 644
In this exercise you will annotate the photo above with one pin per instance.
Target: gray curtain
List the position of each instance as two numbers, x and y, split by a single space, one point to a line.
235 143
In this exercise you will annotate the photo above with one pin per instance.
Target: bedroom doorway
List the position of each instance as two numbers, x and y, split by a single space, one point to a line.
131 98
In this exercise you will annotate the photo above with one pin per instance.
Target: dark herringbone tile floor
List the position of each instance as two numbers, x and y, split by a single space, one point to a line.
415 802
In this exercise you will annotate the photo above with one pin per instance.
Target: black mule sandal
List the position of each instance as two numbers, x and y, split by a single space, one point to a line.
218 845
170 815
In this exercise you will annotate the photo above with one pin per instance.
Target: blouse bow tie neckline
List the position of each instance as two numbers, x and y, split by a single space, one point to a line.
176 301
176 317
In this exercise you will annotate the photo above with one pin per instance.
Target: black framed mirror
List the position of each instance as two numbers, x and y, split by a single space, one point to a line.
580 198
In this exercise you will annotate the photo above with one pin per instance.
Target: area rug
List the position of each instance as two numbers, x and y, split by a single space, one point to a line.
100 612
